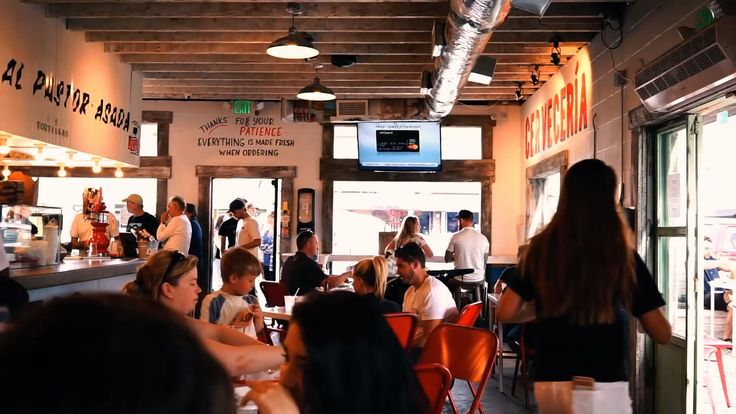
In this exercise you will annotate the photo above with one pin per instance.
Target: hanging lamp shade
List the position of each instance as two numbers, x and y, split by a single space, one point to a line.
316 92
295 45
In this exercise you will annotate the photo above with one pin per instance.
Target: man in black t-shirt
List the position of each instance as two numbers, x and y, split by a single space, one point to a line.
301 272
229 226
140 218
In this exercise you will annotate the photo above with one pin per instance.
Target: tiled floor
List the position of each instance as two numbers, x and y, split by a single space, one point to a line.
493 401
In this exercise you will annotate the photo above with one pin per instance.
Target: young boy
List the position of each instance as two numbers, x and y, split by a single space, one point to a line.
232 305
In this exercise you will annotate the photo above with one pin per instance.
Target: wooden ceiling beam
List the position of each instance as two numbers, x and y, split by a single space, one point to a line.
291 91
278 97
305 68
266 38
361 59
328 49
327 77
272 9
316 25
229 1
333 83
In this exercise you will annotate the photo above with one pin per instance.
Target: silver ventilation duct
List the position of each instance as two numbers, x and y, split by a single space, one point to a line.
468 29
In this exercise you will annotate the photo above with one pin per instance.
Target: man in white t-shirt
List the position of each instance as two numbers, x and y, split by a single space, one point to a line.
427 297
175 230
248 234
468 249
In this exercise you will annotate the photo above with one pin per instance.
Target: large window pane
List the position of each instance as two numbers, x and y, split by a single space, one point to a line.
67 194
673 280
149 140
672 178
362 210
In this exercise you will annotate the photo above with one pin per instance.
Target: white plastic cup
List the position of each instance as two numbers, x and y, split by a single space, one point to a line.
289 303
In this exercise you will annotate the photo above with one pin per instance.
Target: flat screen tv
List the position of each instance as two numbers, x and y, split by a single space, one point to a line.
399 146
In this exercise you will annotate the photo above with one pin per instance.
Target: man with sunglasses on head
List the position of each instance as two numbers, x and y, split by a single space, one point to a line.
175 230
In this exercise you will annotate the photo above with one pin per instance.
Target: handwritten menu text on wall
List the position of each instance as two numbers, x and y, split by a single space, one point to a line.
244 136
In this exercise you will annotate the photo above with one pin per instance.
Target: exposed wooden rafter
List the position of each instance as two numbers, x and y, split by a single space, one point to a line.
215 49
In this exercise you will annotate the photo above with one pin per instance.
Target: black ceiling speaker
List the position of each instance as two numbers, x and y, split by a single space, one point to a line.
343 61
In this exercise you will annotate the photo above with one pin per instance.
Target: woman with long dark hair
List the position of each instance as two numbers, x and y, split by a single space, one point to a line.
341 357
581 279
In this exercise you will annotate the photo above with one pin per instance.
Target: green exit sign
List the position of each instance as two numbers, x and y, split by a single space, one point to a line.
242 107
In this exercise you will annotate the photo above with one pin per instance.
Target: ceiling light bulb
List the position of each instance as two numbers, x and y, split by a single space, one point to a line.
62 171
119 172
534 77
39 148
6 171
4 147
70 163
96 168
518 93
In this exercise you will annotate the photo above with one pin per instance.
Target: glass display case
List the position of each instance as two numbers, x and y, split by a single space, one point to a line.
31 234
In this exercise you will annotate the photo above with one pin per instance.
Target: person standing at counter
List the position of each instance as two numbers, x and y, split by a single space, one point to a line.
147 221
81 230
195 244
175 230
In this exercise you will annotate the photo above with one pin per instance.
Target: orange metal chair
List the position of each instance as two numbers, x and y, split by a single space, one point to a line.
469 354
404 326
436 382
470 314
274 293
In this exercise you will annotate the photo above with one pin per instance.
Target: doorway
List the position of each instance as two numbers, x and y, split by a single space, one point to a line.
280 183
695 241
260 195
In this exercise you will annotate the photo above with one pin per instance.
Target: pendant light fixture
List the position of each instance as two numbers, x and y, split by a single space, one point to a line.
315 91
295 45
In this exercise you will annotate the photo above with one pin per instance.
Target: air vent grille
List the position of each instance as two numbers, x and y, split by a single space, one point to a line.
352 108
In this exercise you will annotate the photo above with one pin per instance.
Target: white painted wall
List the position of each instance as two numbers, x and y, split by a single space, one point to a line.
40 43
507 221
185 135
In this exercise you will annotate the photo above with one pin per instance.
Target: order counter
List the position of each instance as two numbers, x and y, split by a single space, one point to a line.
72 276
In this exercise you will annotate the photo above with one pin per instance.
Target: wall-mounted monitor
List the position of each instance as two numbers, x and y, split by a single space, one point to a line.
399 146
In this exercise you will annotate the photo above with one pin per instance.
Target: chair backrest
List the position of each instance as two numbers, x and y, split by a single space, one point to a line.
404 326
469 354
436 382
274 293
470 314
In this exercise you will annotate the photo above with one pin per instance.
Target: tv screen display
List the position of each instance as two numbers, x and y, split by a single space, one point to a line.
399 146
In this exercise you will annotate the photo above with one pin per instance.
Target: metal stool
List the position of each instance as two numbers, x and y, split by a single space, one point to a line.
478 289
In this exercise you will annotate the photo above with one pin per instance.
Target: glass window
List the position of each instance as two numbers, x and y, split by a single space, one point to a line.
545 193
672 275
149 140
67 194
374 211
458 143
672 170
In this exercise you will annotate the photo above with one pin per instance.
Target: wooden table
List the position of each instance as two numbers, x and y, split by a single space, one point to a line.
276 312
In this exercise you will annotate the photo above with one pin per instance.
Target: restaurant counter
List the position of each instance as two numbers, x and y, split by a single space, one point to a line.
71 276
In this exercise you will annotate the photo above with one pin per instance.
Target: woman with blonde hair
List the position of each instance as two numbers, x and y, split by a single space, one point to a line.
170 277
582 279
409 233
370 278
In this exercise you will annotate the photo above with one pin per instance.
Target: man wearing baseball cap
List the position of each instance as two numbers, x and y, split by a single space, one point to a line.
140 218
228 228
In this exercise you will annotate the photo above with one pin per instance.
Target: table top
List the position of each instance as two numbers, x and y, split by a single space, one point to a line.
722 282
276 312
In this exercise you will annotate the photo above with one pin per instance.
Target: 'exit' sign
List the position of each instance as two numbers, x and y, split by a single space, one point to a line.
242 107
